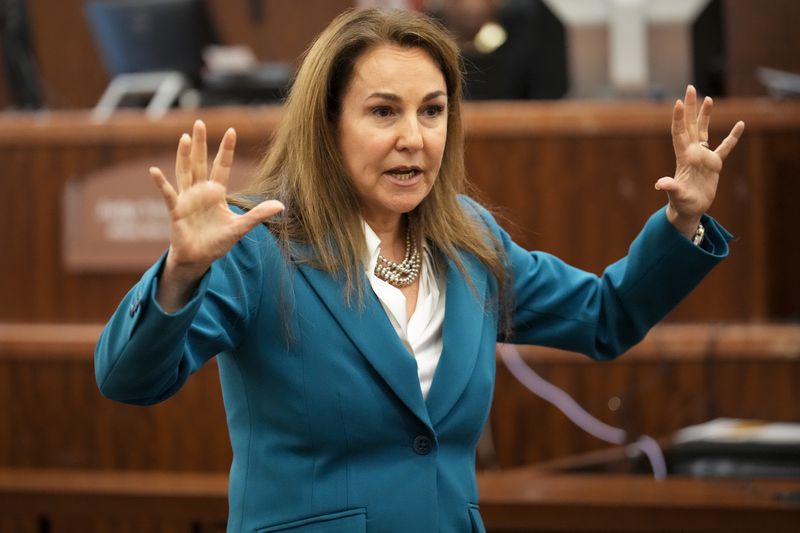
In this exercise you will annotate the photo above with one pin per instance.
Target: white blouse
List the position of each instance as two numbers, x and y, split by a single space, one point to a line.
422 333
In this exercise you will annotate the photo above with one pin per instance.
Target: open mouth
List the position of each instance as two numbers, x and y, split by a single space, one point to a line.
404 173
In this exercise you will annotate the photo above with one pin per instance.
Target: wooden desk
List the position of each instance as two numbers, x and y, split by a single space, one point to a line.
96 501
55 417
71 461
678 376
531 501
526 500
195 496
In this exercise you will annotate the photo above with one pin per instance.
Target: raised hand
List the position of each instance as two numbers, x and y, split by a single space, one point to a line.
202 226
693 188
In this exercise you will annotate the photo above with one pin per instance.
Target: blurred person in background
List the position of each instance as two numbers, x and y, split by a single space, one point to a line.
512 49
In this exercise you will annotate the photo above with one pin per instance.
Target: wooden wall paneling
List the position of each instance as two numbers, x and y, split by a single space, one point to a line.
573 180
15 250
531 501
54 417
660 397
19 524
40 280
584 198
576 201
679 376
15 238
504 451
41 286
757 389
525 500
60 420
7 438
756 188
781 173
285 30
68 523
109 501
72 72
26 216
763 387
5 90
45 226
655 397
760 34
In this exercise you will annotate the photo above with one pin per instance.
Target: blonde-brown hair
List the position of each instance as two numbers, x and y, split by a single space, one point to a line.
304 169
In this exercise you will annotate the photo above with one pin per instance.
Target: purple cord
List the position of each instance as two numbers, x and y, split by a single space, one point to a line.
579 416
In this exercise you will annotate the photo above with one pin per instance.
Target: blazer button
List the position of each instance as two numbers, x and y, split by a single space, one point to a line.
423 444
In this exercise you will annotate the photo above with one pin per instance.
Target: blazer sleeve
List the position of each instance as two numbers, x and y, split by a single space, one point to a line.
144 355
554 304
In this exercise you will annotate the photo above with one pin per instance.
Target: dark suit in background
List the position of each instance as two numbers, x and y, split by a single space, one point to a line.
530 64
18 57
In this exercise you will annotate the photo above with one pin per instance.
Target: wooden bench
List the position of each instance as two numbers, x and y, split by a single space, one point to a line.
62 501
71 460
517 500
679 375
58 418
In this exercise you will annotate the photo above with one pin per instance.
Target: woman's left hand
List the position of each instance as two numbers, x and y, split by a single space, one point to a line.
692 190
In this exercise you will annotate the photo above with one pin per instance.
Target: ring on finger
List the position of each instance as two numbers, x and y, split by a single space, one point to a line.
705 145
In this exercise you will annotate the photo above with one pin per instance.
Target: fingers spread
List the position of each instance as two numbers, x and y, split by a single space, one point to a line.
221 170
704 119
169 194
199 155
267 209
691 113
183 163
259 214
679 136
666 184
730 141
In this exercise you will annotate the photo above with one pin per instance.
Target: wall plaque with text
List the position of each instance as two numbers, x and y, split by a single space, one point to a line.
115 218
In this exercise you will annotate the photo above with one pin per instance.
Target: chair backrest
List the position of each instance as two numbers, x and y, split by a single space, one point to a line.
149 35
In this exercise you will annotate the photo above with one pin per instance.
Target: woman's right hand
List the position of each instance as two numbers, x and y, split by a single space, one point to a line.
202 226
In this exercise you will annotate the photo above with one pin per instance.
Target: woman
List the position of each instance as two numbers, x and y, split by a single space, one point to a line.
354 299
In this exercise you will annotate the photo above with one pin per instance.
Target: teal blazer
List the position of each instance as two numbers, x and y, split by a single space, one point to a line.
329 429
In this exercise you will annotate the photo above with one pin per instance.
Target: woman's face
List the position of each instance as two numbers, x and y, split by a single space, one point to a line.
392 129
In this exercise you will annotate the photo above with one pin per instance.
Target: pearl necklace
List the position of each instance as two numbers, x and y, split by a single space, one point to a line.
400 274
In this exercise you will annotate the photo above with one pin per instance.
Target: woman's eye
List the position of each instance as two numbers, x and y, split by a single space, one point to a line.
433 110
382 111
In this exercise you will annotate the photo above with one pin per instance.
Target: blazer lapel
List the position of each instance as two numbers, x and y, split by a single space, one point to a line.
370 330
461 336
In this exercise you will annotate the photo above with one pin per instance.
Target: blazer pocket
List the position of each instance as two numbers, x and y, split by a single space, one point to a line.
475 518
348 521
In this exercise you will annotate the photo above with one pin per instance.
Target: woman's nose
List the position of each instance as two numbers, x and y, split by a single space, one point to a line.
409 135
